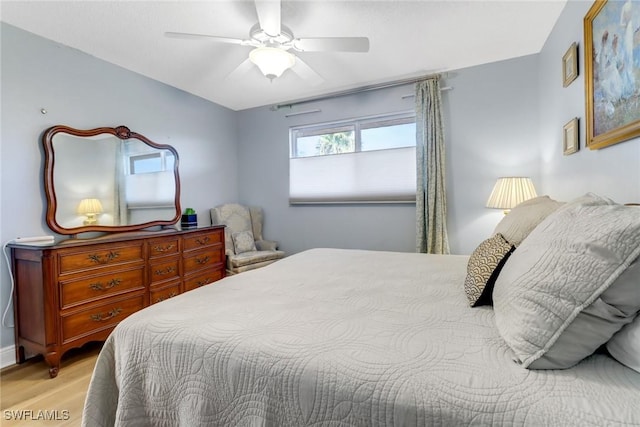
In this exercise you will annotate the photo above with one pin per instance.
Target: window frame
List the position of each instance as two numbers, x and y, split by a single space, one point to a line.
361 194
133 158
356 124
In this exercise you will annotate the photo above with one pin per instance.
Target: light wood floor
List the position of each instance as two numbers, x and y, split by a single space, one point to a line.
27 387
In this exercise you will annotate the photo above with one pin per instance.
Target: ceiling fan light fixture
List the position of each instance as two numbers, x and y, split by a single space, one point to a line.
272 61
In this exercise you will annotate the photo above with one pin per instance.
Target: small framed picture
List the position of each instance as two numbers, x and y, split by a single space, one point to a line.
570 65
570 140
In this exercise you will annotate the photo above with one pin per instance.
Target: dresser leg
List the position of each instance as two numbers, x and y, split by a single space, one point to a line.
53 360
20 354
53 371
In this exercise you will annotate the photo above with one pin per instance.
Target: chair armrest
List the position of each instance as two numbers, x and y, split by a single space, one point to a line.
266 245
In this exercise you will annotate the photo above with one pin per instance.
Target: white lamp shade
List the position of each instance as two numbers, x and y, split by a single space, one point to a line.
89 206
511 191
272 61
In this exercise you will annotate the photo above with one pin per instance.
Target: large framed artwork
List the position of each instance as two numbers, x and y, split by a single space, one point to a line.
612 72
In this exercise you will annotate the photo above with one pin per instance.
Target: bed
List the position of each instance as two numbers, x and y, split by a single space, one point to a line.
342 338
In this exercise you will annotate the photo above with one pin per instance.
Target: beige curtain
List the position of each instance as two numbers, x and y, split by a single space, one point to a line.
431 198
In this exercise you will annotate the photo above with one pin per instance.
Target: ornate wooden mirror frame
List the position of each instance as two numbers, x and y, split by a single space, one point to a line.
130 181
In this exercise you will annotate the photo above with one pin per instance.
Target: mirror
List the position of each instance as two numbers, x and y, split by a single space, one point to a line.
108 179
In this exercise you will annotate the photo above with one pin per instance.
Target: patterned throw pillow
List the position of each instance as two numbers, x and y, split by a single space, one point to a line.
484 266
243 242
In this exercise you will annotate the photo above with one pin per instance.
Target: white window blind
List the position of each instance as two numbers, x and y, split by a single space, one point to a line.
150 190
361 161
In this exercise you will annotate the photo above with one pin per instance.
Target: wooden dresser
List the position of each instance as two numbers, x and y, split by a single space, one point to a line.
72 292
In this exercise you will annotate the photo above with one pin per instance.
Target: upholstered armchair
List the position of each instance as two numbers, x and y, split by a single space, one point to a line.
245 247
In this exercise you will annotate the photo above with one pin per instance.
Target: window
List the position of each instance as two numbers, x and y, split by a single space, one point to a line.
364 160
151 175
154 162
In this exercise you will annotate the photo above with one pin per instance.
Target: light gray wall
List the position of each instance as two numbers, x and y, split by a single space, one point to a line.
493 119
613 171
491 122
83 92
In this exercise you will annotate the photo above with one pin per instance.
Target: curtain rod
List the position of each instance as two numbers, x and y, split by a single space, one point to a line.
412 95
356 90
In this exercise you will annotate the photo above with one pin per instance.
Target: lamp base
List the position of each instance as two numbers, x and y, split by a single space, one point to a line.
91 220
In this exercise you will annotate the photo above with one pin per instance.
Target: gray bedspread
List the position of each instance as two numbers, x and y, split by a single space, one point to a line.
333 337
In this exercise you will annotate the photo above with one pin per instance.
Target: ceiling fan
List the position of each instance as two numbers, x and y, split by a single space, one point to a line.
273 42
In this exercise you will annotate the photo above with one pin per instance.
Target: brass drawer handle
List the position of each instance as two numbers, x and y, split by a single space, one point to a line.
110 315
159 248
203 260
167 270
203 282
98 258
203 241
171 295
98 286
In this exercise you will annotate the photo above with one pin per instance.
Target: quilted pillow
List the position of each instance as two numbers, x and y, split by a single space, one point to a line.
625 345
483 268
523 218
567 263
243 242
592 327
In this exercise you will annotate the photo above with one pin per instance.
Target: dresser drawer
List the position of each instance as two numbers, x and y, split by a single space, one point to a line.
198 280
163 271
164 246
73 261
203 259
160 295
203 239
96 287
99 317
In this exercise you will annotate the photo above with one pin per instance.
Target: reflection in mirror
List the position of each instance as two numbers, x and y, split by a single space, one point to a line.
108 179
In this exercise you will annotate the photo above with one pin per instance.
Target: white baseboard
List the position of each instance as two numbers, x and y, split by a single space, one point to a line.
7 356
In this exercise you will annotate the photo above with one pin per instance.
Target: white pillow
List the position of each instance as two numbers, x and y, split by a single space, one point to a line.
625 345
592 327
522 219
565 265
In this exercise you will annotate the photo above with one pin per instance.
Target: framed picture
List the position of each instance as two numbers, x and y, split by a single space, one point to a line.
612 73
570 65
570 140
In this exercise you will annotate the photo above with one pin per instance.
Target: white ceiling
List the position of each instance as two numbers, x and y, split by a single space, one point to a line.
408 39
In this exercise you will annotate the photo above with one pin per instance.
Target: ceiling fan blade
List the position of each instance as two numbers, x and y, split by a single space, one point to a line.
240 70
332 44
269 16
174 35
303 69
